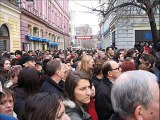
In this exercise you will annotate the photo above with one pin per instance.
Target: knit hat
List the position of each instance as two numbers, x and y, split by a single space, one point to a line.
26 58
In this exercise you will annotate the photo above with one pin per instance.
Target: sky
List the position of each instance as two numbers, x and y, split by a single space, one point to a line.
84 14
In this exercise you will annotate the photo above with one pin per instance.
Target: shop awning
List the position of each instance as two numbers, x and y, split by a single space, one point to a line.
44 40
34 38
53 43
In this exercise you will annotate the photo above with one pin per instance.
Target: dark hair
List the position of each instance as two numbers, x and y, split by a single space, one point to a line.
130 52
18 52
98 66
72 81
149 59
28 79
52 66
2 61
8 92
41 106
118 56
106 68
108 48
6 55
25 58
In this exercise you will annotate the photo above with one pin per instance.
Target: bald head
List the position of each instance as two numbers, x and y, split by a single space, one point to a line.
111 69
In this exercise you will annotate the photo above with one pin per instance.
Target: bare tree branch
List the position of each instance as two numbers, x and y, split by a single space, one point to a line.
156 3
124 5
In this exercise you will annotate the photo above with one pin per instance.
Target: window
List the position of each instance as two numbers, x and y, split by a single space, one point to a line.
143 35
35 31
29 30
4 38
4 31
113 38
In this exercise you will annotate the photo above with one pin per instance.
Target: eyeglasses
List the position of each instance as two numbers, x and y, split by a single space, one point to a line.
118 68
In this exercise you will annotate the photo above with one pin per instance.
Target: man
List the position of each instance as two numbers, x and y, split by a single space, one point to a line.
135 96
18 55
111 71
120 58
27 61
110 52
102 55
54 83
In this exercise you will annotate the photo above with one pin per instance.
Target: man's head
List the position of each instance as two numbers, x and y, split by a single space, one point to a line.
27 61
111 70
18 53
135 95
54 68
109 50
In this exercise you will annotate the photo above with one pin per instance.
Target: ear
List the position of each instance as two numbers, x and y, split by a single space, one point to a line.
109 73
138 112
25 64
57 72
148 66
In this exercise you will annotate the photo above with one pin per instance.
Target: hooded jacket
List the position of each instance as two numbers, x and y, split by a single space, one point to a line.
75 112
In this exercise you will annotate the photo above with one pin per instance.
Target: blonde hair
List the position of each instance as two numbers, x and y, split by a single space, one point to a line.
84 63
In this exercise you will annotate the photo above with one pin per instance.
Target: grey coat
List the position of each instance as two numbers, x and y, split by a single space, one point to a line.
75 112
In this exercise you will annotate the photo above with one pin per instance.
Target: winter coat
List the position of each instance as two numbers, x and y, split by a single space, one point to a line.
115 116
96 81
51 86
20 98
75 112
103 103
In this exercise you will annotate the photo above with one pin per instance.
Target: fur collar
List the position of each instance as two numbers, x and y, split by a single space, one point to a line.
69 103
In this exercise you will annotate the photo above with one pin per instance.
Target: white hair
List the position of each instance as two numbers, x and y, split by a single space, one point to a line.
132 88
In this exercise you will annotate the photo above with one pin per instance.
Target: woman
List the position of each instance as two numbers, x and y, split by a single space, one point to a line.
7 102
28 84
5 65
44 106
87 65
78 91
97 73
13 76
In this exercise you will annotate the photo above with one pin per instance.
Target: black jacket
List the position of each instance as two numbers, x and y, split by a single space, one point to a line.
103 99
51 86
96 81
20 98
115 116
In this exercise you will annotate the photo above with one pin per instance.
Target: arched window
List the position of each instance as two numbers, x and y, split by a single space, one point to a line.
4 31
4 38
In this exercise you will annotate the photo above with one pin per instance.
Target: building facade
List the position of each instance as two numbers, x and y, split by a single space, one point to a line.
125 27
9 26
85 38
44 24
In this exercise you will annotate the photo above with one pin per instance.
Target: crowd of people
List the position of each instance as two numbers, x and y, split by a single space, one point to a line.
96 84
